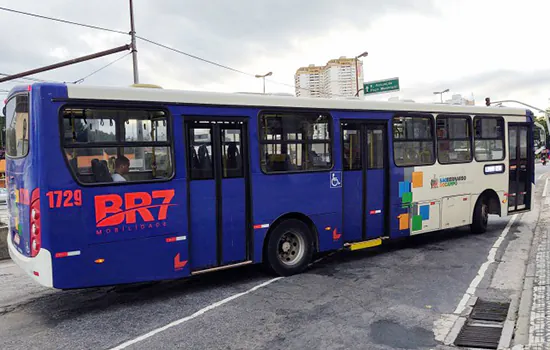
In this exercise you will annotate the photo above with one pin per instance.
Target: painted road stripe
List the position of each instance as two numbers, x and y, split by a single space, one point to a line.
483 269
195 315
540 176
545 188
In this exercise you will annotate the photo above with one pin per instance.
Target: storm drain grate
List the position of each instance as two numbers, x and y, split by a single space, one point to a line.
489 311
478 337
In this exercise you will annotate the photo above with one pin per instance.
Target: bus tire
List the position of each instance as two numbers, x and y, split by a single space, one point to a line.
289 248
480 217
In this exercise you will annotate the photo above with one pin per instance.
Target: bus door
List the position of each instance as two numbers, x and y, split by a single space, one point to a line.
218 203
365 180
520 168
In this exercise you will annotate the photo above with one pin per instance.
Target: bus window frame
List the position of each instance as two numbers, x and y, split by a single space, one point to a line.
434 136
504 136
117 144
471 138
298 111
21 93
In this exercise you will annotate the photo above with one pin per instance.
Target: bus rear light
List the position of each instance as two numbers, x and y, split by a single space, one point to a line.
35 232
36 273
99 261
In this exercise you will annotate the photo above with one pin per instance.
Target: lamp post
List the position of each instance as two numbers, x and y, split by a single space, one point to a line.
263 77
440 93
364 54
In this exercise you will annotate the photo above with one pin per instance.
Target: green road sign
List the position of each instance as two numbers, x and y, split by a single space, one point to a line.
379 86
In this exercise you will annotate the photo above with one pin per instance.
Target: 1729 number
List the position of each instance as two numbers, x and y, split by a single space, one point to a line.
65 198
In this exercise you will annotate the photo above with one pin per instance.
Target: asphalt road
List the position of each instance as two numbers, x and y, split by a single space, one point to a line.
386 298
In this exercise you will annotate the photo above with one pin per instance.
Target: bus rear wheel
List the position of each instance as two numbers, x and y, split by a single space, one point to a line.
481 216
289 248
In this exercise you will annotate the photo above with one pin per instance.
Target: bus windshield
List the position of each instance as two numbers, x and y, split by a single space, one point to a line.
17 126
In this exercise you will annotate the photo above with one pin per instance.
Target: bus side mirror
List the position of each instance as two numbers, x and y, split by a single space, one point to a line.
4 111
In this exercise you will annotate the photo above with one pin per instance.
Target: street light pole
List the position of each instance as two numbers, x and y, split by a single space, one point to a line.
364 54
133 44
440 93
546 113
263 77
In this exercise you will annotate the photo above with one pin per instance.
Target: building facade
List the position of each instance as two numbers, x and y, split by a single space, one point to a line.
336 79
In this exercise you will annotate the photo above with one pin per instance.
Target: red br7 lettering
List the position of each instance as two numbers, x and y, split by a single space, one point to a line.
167 195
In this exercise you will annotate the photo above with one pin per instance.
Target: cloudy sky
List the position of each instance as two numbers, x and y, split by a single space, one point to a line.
493 48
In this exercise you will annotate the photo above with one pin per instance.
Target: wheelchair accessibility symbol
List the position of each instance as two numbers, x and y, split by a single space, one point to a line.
335 179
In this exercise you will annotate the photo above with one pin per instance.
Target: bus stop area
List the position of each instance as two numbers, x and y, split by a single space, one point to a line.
418 293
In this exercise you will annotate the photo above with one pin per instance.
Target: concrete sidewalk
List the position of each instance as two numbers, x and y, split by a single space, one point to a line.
533 326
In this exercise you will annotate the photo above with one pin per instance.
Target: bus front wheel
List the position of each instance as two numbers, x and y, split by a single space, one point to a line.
289 248
481 216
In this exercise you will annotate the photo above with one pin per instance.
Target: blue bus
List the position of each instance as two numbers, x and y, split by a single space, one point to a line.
110 185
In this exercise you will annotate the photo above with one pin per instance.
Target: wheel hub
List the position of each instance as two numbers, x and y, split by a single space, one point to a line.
291 248
286 247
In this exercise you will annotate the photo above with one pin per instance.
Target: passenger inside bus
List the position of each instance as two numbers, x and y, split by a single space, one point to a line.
122 167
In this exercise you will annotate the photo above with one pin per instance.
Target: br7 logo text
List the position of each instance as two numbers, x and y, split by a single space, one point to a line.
112 209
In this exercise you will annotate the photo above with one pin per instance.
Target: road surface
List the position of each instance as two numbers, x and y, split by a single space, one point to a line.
393 297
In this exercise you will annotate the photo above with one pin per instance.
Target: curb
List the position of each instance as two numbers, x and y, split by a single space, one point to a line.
3 243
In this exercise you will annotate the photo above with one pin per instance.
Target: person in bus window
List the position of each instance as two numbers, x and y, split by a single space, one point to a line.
122 167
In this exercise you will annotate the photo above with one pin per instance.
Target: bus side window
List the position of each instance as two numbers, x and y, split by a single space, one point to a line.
413 140
454 142
94 137
295 141
489 138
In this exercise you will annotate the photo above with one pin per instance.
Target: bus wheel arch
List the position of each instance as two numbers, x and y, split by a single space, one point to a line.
297 227
487 203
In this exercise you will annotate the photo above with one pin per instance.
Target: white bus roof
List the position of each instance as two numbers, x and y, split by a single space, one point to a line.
232 99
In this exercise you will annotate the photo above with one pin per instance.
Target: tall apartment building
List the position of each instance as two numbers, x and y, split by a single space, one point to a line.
307 81
336 79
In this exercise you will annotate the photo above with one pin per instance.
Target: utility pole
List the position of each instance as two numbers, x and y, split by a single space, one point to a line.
133 44
66 63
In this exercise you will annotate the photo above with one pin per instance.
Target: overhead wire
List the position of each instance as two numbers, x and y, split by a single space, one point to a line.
146 40
63 21
102 68
218 64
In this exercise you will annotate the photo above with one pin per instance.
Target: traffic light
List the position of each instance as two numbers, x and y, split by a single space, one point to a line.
487 101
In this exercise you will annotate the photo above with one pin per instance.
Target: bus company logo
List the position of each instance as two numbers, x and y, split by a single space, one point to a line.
122 211
447 181
434 182
451 181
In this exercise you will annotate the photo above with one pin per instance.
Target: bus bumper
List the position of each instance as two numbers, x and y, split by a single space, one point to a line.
39 267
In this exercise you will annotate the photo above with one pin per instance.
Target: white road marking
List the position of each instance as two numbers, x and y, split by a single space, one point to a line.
545 188
540 176
481 273
195 315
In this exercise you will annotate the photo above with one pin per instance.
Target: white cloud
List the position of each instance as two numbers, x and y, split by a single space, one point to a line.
488 48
